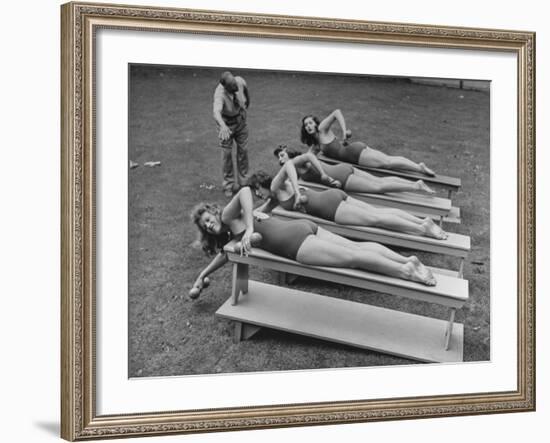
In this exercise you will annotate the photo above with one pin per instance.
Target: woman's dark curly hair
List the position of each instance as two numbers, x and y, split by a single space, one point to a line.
305 137
210 243
260 179
290 151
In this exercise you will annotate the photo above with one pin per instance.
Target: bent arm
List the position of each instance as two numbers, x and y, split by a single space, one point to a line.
247 206
240 207
267 206
335 115
287 171
309 157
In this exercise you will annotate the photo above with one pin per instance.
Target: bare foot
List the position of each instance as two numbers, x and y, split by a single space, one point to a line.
416 271
434 231
426 170
425 274
423 187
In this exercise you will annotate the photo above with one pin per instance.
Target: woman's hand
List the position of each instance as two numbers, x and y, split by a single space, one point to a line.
199 284
347 136
246 245
297 202
329 181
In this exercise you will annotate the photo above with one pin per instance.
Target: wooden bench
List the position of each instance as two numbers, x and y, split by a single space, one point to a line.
421 205
253 305
451 184
455 245
453 216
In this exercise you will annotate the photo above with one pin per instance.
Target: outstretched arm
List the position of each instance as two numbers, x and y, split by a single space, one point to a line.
335 115
310 160
217 262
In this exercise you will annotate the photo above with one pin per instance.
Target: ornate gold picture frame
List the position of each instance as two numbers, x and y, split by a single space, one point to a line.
80 23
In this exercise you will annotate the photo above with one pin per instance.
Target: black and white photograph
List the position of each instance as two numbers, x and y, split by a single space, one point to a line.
282 221
275 221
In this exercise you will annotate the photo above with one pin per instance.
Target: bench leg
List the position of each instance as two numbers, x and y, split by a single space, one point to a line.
450 194
291 278
284 278
441 222
240 281
238 333
461 268
449 331
243 331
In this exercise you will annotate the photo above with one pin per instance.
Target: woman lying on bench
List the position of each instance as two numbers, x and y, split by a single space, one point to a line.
336 206
299 240
315 133
343 176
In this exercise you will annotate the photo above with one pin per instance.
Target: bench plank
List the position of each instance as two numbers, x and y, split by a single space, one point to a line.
455 245
408 201
450 183
452 217
341 321
448 291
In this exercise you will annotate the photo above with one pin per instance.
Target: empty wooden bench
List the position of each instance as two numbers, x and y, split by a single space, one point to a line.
455 245
451 184
417 204
254 304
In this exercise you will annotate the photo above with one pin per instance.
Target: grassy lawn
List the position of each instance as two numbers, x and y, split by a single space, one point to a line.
170 120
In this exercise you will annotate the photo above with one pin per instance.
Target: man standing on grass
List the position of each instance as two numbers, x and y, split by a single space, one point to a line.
231 100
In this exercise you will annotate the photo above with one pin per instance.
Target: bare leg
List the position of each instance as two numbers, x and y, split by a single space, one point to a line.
377 159
348 214
411 262
382 210
357 182
419 185
352 211
433 230
363 245
318 251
